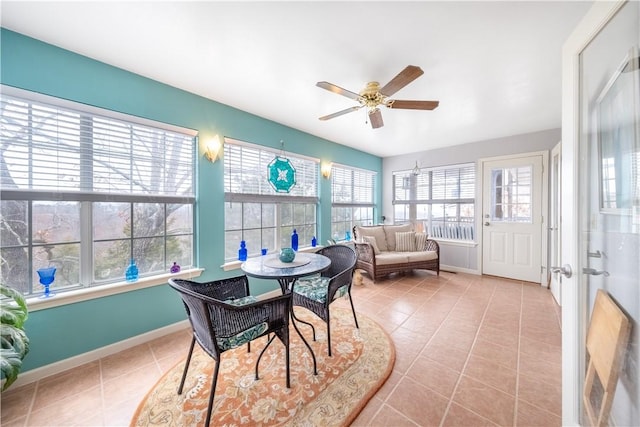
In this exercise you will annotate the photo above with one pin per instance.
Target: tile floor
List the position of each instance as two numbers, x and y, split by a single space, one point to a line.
470 351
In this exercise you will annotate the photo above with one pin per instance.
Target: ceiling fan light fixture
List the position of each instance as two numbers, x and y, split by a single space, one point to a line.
373 96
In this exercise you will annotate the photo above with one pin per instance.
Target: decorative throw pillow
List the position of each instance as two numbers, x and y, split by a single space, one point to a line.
372 241
421 241
390 234
406 241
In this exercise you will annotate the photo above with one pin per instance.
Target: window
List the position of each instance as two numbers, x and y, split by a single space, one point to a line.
511 194
438 200
85 190
351 199
255 212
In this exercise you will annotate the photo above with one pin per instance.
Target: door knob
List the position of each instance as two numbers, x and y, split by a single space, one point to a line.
486 223
594 272
565 270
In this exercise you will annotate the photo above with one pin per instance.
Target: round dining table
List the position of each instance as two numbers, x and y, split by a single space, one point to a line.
270 267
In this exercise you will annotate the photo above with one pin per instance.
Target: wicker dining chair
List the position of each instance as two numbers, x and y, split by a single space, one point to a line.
316 293
224 316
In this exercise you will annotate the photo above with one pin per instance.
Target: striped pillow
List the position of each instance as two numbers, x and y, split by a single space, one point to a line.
406 241
421 241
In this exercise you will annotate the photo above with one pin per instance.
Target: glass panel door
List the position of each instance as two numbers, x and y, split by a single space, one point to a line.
609 196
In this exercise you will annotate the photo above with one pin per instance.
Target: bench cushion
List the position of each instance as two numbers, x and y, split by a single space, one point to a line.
390 258
422 256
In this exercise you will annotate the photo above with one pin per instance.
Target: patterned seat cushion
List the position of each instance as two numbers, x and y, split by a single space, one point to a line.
246 335
249 299
315 288
243 337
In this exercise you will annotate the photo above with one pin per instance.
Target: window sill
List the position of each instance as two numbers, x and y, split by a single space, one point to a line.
455 242
235 265
84 294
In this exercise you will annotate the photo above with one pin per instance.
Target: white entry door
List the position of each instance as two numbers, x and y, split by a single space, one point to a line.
555 230
512 218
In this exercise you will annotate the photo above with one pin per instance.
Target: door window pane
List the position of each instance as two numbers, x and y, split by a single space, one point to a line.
511 194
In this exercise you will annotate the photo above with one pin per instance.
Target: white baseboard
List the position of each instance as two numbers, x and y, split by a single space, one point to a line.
454 269
36 374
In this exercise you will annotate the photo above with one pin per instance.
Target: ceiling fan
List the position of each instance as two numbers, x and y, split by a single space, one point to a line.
373 95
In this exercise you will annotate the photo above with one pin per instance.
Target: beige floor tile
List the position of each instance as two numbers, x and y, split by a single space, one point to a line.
505 356
387 416
71 410
541 394
418 403
492 373
496 330
69 383
434 375
125 361
367 415
539 368
485 401
531 416
16 403
446 355
499 336
457 416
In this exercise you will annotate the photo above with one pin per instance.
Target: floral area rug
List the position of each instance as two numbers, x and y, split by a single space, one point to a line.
361 361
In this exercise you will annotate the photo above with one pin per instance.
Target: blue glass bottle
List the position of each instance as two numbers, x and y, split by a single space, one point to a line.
242 252
294 240
314 242
131 275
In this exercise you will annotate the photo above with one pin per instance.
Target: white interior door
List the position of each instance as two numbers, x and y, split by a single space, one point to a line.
601 210
512 218
555 199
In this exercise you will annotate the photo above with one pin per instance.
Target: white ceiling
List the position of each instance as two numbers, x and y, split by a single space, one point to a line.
495 67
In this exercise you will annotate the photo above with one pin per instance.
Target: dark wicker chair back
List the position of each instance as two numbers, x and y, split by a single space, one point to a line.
222 318
340 275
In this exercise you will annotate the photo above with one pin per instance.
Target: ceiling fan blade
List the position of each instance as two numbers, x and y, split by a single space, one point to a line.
375 117
406 76
337 89
340 113
413 105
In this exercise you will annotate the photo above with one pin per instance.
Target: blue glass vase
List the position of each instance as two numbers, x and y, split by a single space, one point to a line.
131 275
242 252
294 240
47 276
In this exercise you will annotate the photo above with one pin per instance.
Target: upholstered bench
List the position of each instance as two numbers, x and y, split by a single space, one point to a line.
386 249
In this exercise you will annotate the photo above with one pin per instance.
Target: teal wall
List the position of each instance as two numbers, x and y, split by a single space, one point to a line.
66 331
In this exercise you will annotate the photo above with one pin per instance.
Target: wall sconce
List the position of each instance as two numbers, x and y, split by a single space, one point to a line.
212 148
325 170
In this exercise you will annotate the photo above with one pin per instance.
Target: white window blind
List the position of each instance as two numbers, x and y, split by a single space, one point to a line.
85 190
246 172
351 186
436 185
439 200
55 149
